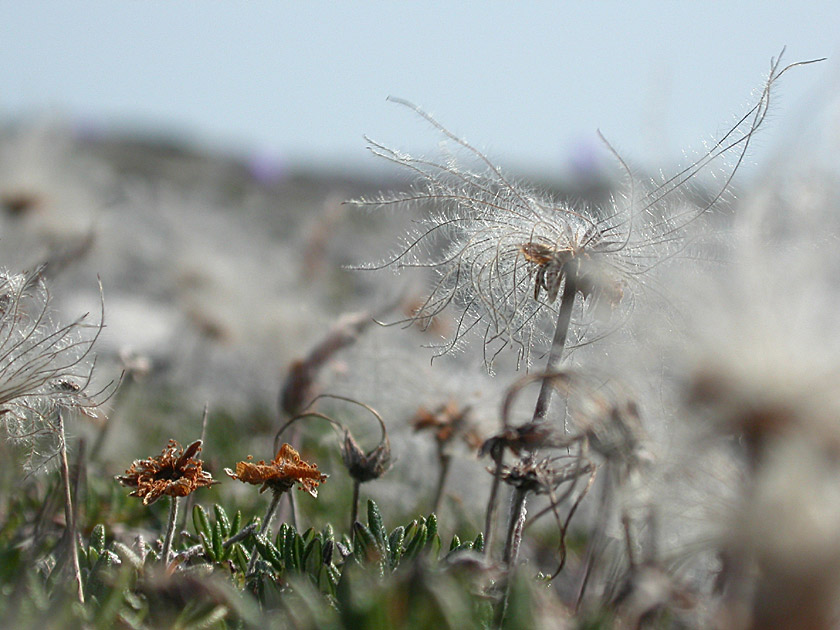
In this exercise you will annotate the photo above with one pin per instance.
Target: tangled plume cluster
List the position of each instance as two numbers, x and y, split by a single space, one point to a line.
503 251
45 366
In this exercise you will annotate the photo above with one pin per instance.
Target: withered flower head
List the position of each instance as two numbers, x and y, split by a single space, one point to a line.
529 436
286 469
543 476
176 472
447 421
366 466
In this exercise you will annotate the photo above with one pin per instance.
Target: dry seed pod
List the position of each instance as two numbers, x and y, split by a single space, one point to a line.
366 466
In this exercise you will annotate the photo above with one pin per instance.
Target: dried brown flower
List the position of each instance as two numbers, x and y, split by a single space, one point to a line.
529 436
286 469
176 472
447 421
543 476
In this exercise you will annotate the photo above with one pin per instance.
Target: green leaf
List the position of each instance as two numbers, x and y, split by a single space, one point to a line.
280 539
376 527
365 547
308 535
218 550
236 525
207 543
97 539
434 546
269 552
395 546
240 558
312 558
293 550
416 543
431 526
478 543
456 542
201 522
223 520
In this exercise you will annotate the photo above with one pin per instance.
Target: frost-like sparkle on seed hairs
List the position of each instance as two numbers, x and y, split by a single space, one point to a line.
502 250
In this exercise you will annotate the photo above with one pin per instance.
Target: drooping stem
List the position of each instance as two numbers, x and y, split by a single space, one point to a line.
269 514
445 460
558 343
355 507
69 514
171 526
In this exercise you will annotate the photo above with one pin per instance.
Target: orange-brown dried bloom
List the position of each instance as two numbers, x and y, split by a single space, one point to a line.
286 469
176 472
447 422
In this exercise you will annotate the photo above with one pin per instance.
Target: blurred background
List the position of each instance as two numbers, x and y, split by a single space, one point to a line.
195 157
300 83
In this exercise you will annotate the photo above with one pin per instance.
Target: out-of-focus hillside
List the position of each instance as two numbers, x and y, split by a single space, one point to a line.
217 271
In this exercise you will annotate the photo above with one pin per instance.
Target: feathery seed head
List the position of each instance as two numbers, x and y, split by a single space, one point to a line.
44 365
503 252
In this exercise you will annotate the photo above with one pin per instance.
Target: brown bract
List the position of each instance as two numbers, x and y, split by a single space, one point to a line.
175 473
281 473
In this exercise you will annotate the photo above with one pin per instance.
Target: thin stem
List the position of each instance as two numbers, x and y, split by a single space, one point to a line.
513 539
444 472
293 509
355 507
498 456
595 543
269 513
518 508
69 515
170 529
558 344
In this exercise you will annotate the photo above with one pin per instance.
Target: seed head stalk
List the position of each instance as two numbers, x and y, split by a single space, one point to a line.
69 513
518 506
558 343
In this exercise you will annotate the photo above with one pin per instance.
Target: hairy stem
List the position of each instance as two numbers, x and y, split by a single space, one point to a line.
69 514
266 524
558 344
170 529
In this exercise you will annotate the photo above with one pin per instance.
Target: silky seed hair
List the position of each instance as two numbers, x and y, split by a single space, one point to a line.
501 249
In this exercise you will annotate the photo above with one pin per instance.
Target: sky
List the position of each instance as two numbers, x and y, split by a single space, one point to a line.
530 83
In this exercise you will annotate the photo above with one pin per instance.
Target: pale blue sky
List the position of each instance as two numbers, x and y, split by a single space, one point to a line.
530 82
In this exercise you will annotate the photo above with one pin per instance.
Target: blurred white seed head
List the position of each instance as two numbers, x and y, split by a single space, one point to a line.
502 250
44 366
